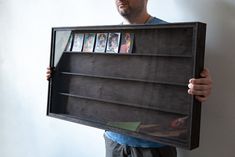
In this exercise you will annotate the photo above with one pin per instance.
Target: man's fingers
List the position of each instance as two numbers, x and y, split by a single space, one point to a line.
199 87
49 72
199 93
200 81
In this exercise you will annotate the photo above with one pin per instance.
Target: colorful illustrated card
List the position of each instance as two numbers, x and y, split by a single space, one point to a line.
113 43
101 42
89 42
78 42
127 42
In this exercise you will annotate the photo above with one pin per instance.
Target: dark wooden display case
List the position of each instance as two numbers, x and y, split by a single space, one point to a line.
143 93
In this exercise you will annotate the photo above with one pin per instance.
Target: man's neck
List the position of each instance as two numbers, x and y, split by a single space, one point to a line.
137 19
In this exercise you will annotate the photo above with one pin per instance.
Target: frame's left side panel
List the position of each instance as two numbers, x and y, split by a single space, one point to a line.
51 64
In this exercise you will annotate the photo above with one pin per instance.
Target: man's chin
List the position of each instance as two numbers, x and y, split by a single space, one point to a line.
124 12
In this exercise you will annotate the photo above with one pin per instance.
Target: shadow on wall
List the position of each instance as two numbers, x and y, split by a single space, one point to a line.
220 53
218 14
220 47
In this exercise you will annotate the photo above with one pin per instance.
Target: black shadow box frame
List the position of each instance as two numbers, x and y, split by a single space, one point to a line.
143 93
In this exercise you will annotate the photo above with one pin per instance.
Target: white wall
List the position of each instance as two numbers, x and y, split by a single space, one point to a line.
25 31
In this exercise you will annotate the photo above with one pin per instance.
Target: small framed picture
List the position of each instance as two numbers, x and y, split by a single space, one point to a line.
78 42
113 43
101 42
89 42
127 42
69 43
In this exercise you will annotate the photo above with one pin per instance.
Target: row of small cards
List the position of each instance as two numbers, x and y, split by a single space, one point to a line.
101 42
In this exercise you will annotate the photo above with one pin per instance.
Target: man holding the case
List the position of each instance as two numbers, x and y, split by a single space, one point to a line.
119 145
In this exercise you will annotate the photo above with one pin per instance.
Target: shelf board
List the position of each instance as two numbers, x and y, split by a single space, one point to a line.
125 79
147 54
121 103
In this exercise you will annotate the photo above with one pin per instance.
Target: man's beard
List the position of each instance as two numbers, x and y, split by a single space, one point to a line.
124 12
130 12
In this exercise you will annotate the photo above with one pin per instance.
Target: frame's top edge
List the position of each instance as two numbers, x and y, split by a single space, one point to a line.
136 26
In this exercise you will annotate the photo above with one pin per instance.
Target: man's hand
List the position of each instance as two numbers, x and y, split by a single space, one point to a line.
201 87
49 73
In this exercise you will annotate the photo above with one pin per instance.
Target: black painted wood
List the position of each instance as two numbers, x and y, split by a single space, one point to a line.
142 94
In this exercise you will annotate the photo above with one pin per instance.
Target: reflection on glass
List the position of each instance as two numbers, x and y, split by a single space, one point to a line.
61 40
174 128
171 127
